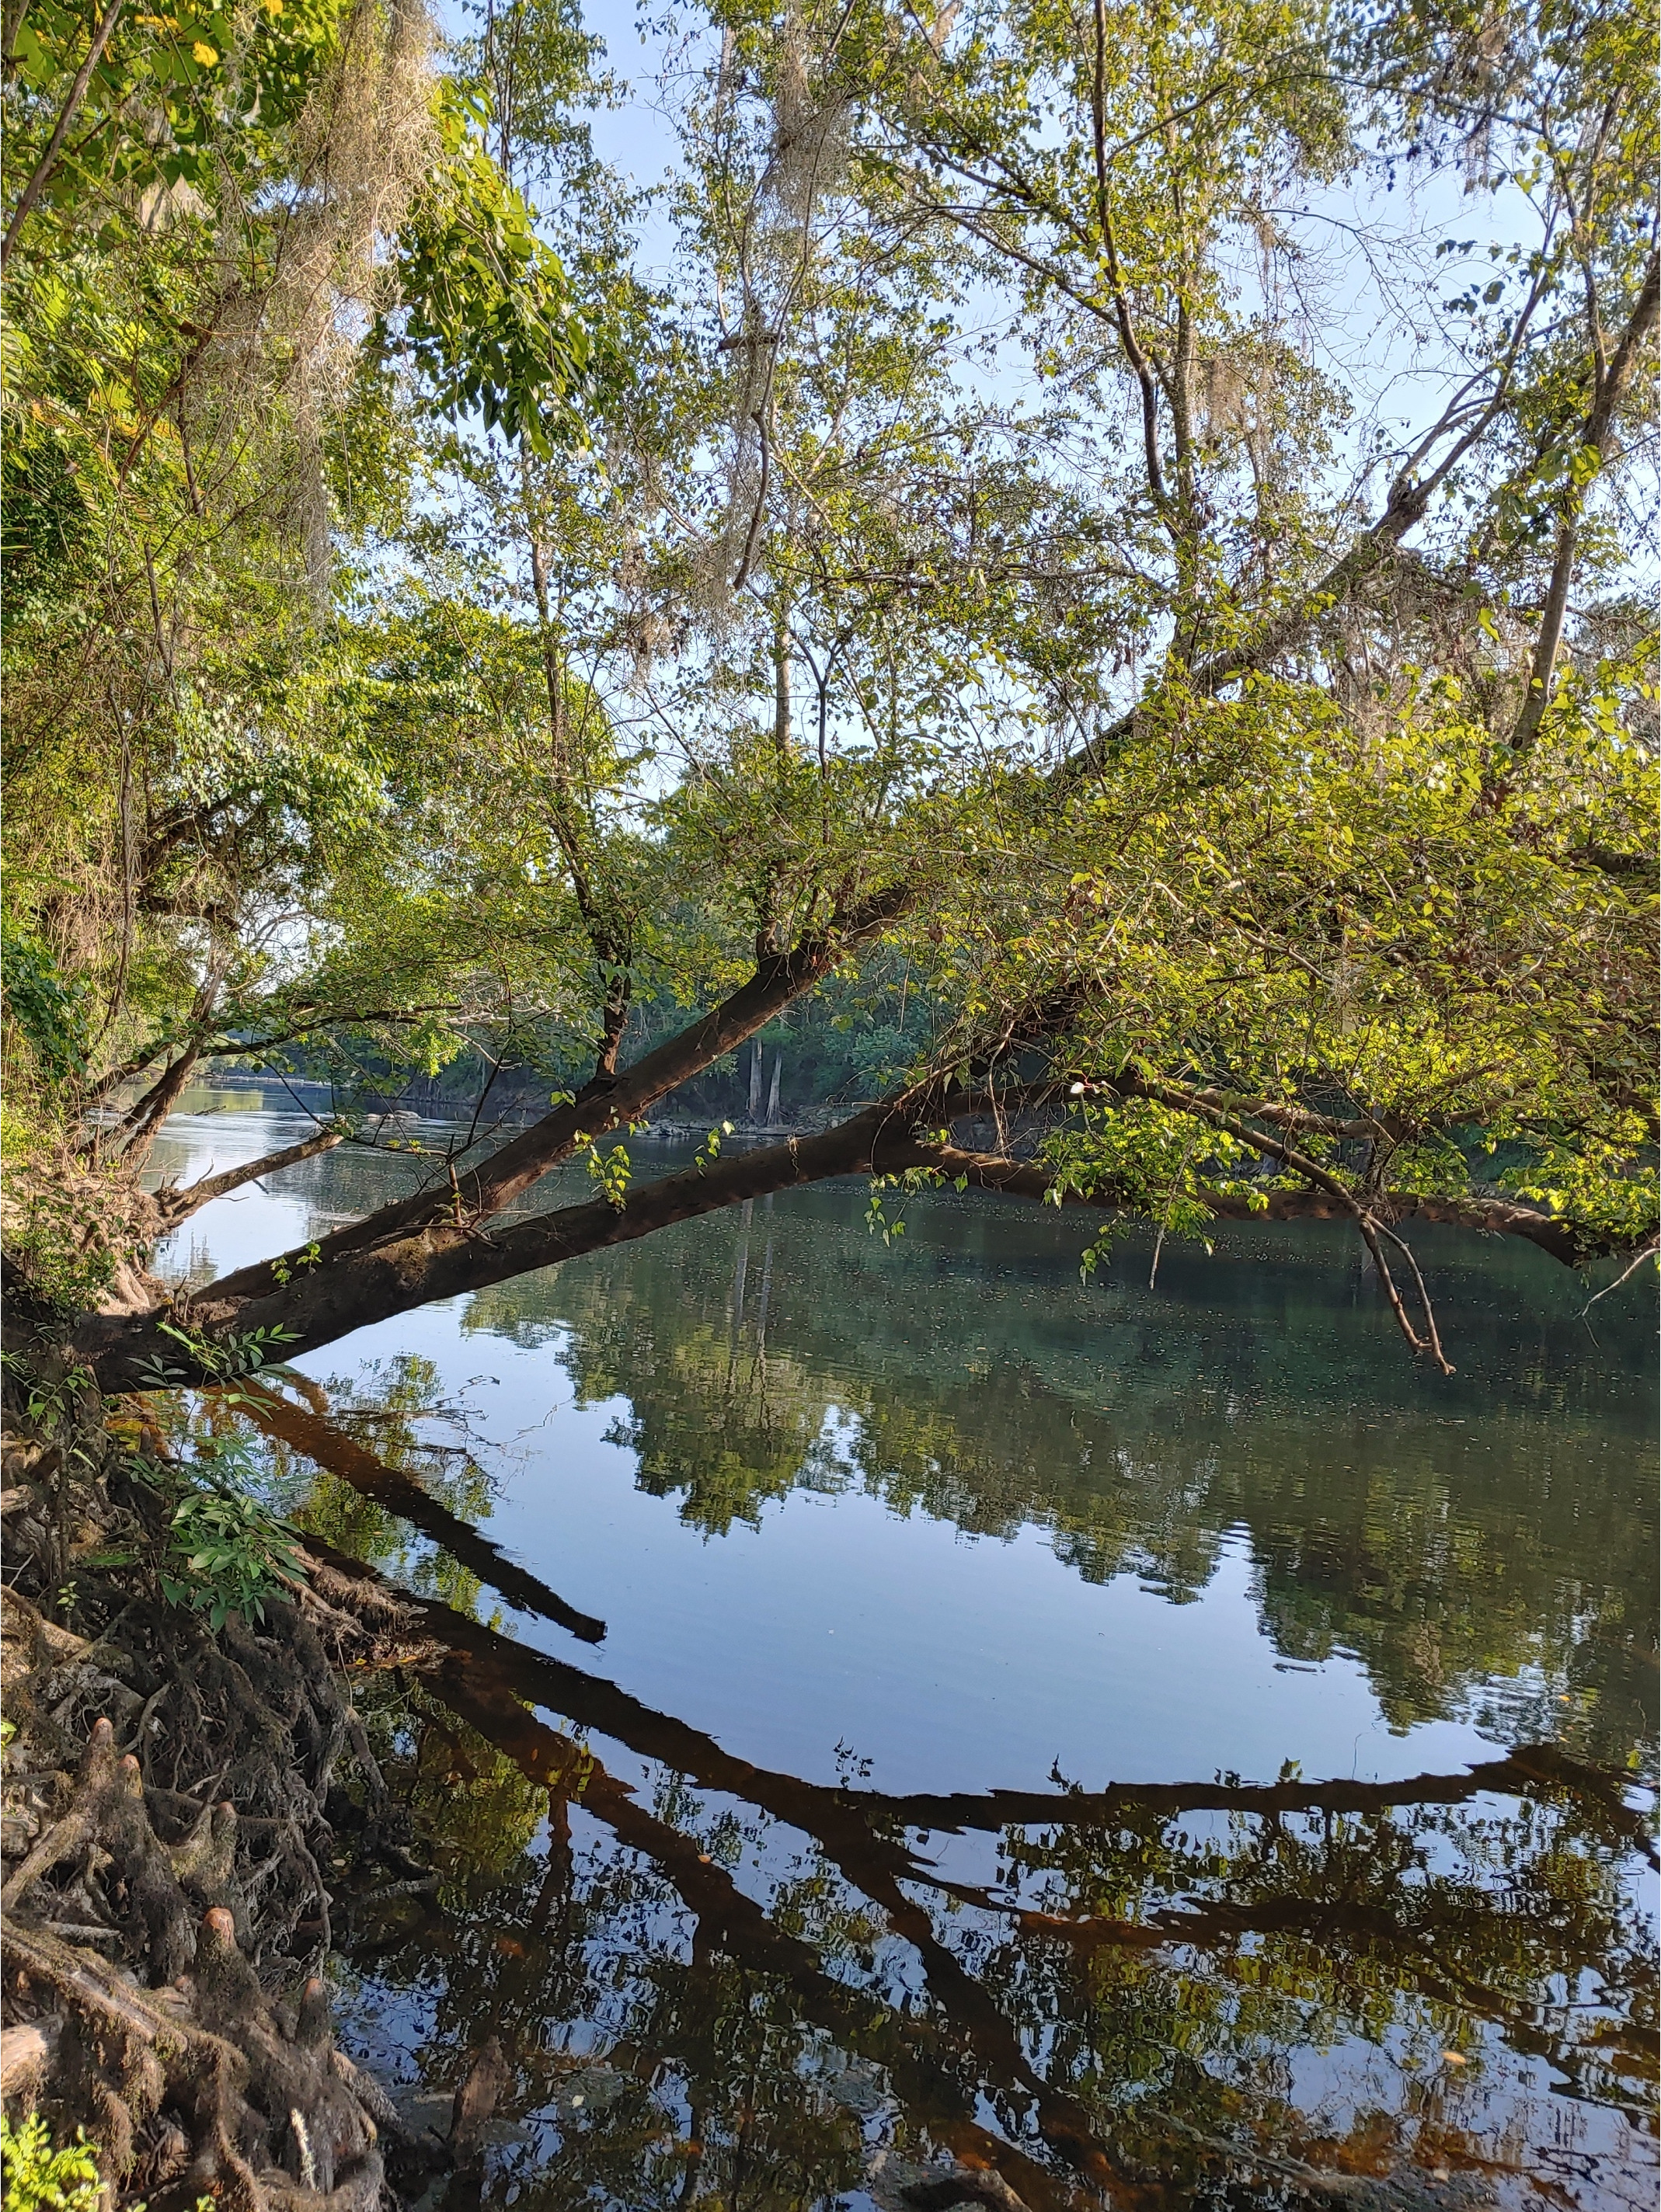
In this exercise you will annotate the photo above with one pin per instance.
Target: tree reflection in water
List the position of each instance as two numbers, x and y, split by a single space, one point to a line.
719 1985
1483 1545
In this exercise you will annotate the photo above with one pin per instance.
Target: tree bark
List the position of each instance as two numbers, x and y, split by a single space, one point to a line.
153 1108
611 1100
319 1305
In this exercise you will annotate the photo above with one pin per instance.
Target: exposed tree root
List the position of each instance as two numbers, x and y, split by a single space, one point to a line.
170 1800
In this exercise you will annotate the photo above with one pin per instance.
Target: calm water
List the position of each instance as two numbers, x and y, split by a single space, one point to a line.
1115 1739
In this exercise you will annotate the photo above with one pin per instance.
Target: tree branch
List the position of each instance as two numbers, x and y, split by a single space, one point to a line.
597 1704
1007 1177
71 107
1593 438
235 1047
145 1119
1405 507
439 1259
1128 339
321 1303
177 1206
613 1101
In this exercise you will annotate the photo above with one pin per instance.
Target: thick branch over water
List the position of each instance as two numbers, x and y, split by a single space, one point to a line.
613 1101
322 1303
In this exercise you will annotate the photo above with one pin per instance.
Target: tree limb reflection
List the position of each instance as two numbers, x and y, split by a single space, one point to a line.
331 1447
1049 2027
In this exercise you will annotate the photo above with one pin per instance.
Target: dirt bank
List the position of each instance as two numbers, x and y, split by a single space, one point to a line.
174 1794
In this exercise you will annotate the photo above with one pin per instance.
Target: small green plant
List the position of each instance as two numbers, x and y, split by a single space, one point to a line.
227 1553
219 1361
39 2178
49 1407
611 1170
709 1149
234 1555
878 1221
285 1269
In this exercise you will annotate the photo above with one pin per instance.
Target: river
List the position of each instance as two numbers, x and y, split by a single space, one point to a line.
1042 1729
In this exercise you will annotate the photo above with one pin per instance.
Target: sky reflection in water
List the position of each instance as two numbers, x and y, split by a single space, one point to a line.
941 1518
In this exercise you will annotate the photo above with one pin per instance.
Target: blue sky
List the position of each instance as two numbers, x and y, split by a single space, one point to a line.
1373 323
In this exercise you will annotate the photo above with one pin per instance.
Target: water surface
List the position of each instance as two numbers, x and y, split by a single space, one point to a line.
880 1532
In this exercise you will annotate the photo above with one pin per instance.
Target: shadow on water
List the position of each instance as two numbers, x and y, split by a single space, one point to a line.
721 1981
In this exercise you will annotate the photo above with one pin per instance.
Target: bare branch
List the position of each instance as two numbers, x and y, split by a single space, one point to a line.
177 1206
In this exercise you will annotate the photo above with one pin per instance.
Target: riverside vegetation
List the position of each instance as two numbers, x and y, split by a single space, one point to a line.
972 608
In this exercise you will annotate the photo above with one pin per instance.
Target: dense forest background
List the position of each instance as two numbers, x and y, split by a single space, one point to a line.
1067 574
